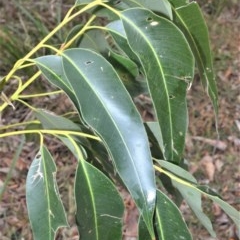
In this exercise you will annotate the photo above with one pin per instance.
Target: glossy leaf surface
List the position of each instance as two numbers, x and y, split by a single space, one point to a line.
169 67
108 109
45 208
167 217
168 221
190 20
99 206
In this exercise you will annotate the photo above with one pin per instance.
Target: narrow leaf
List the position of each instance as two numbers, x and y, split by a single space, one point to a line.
168 221
45 208
160 6
190 20
51 121
167 217
188 187
99 206
94 39
169 67
193 199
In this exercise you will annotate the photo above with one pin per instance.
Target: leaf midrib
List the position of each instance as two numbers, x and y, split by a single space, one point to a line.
119 132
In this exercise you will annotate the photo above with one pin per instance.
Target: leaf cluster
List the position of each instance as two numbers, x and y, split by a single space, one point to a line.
125 48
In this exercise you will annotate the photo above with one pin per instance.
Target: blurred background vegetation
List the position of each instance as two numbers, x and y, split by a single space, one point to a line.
23 23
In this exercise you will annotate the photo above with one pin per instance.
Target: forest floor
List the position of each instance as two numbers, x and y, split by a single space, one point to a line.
212 162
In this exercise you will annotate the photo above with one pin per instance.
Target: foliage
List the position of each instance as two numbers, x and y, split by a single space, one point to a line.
126 48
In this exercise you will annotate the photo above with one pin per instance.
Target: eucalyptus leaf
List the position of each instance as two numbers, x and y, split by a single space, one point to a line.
98 87
187 186
168 216
99 205
94 39
108 109
168 221
45 208
51 68
169 67
160 6
190 20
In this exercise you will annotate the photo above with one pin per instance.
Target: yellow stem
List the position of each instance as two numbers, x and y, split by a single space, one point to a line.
66 20
40 94
52 132
19 124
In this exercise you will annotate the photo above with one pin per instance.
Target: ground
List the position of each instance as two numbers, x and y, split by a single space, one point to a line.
212 162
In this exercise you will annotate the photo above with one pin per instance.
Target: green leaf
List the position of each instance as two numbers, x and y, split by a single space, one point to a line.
98 87
187 185
167 217
125 62
190 20
193 199
108 109
160 6
117 31
154 128
129 73
94 39
178 3
168 221
169 67
51 121
99 206
51 68
45 208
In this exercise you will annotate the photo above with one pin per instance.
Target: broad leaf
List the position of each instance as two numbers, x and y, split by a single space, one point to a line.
98 87
45 208
108 109
169 67
99 206
190 20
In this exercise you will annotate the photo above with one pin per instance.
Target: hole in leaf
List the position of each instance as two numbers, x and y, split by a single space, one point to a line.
171 97
38 156
117 2
88 62
149 19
